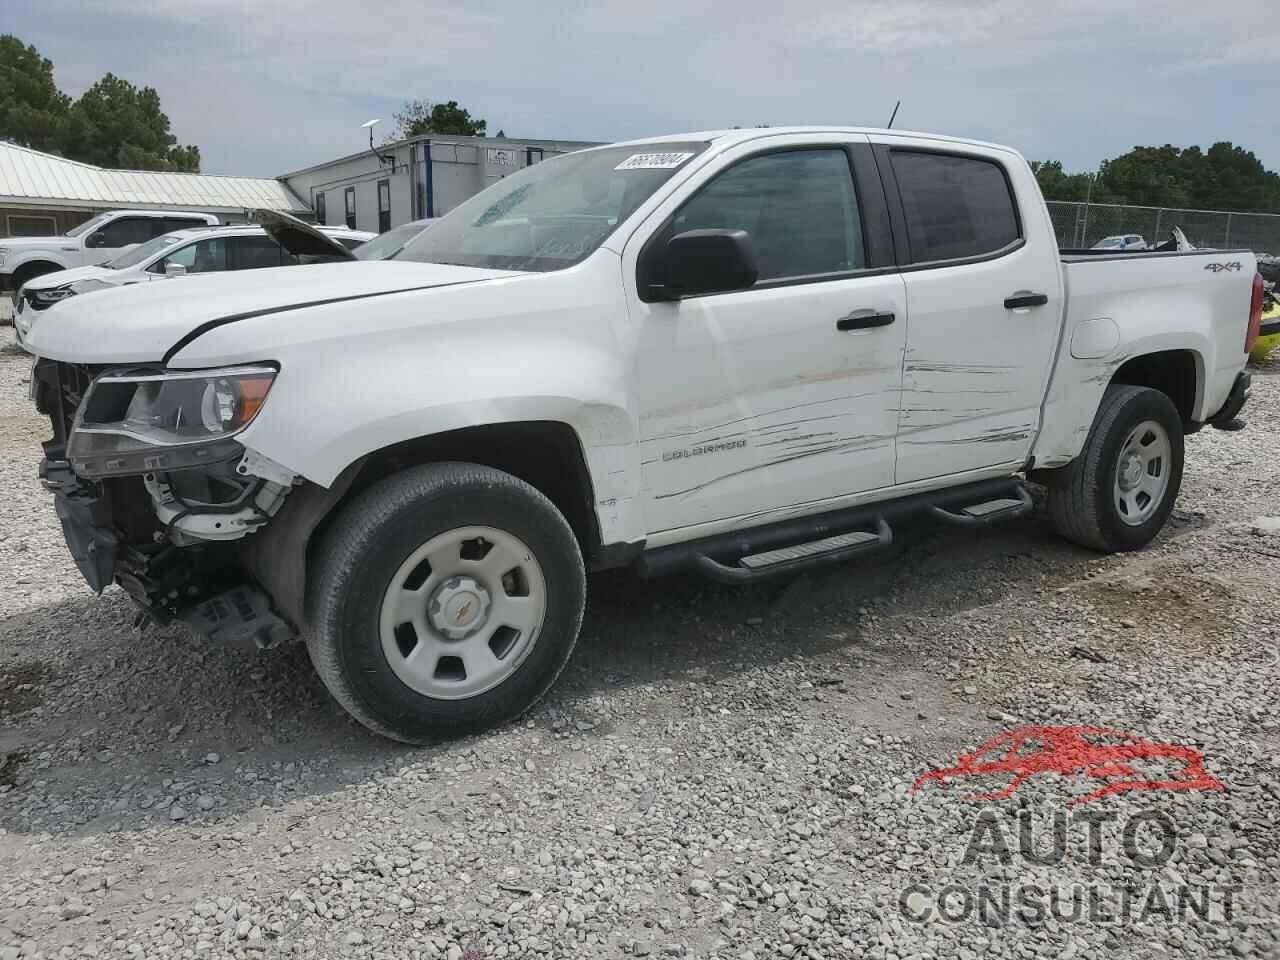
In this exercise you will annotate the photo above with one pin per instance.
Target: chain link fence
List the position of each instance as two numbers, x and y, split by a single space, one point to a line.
1080 225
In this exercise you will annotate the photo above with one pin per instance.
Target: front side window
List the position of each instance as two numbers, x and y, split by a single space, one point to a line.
205 256
126 231
798 206
955 206
350 198
553 214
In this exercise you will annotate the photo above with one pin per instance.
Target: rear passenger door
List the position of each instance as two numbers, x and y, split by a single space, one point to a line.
984 301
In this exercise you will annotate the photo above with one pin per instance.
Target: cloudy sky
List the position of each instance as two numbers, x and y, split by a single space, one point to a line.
267 87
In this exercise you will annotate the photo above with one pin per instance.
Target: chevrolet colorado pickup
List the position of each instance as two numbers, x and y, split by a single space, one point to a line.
740 353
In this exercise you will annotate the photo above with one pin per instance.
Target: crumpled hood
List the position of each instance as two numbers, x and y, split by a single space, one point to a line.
60 278
142 322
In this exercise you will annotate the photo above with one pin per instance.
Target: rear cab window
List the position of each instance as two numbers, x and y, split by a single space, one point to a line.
956 206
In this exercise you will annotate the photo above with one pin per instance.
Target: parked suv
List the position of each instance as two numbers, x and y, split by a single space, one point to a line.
689 354
97 240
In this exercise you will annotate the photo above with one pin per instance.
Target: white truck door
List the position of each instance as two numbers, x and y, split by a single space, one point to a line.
984 297
784 394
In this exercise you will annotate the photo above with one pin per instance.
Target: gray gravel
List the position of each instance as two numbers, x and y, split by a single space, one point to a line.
718 774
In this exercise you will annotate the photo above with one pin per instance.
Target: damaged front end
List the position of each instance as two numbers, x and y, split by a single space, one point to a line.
154 492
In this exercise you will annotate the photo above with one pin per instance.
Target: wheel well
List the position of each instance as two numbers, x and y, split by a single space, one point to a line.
33 268
1172 372
544 454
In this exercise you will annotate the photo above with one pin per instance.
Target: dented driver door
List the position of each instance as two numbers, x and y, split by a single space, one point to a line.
771 399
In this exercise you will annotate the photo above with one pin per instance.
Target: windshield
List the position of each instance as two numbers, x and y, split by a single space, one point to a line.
88 225
141 252
386 244
553 214
1108 243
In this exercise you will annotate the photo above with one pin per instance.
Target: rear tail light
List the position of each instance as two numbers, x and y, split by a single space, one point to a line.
1255 314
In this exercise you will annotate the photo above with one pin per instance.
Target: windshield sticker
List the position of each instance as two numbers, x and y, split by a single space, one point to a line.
653 161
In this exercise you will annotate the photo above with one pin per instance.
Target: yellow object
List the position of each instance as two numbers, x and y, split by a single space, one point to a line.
1265 345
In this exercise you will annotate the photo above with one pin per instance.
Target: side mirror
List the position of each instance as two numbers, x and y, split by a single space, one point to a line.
709 261
174 270
95 239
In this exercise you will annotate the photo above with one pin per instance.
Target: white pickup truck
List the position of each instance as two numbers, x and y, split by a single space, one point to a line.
742 353
97 240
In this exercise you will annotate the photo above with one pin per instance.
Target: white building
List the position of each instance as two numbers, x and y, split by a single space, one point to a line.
410 179
42 194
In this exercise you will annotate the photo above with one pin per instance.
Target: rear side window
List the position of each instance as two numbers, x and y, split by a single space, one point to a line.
798 206
955 206
250 253
181 223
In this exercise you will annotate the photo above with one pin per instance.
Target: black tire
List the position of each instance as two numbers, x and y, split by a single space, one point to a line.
366 545
1081 505
29 271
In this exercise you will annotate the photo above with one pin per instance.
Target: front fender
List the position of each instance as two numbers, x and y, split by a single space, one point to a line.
23 258
357 378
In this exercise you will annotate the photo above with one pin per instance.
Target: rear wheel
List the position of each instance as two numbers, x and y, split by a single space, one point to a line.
448 599
1118 493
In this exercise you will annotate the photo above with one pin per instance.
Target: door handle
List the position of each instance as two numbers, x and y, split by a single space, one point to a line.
1026 300
863 320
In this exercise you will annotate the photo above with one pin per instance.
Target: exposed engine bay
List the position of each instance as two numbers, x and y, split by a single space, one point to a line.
165 523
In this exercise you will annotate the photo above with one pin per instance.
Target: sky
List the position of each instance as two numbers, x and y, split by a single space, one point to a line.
264 88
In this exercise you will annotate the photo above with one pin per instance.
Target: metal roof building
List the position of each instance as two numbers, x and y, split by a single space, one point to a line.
41 194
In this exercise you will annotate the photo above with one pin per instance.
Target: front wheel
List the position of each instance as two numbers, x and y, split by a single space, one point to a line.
1118 493
448 599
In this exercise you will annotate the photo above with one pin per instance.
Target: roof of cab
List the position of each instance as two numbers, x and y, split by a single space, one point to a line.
742 134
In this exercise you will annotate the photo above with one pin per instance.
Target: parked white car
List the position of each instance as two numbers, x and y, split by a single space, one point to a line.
683 354
97 240
1126 241
182 253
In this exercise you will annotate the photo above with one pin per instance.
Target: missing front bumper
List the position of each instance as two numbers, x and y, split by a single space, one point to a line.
85 520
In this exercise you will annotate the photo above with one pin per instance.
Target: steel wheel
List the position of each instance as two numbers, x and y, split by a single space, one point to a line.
1142 473
462 612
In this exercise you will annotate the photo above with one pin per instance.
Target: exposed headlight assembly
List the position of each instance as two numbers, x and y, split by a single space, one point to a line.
139 421
87 285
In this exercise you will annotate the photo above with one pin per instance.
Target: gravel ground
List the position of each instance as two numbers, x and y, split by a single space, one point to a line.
720 773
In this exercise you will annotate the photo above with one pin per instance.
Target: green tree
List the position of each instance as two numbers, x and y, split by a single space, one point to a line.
32 109
1224 177
115 124
1056 184
421 117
